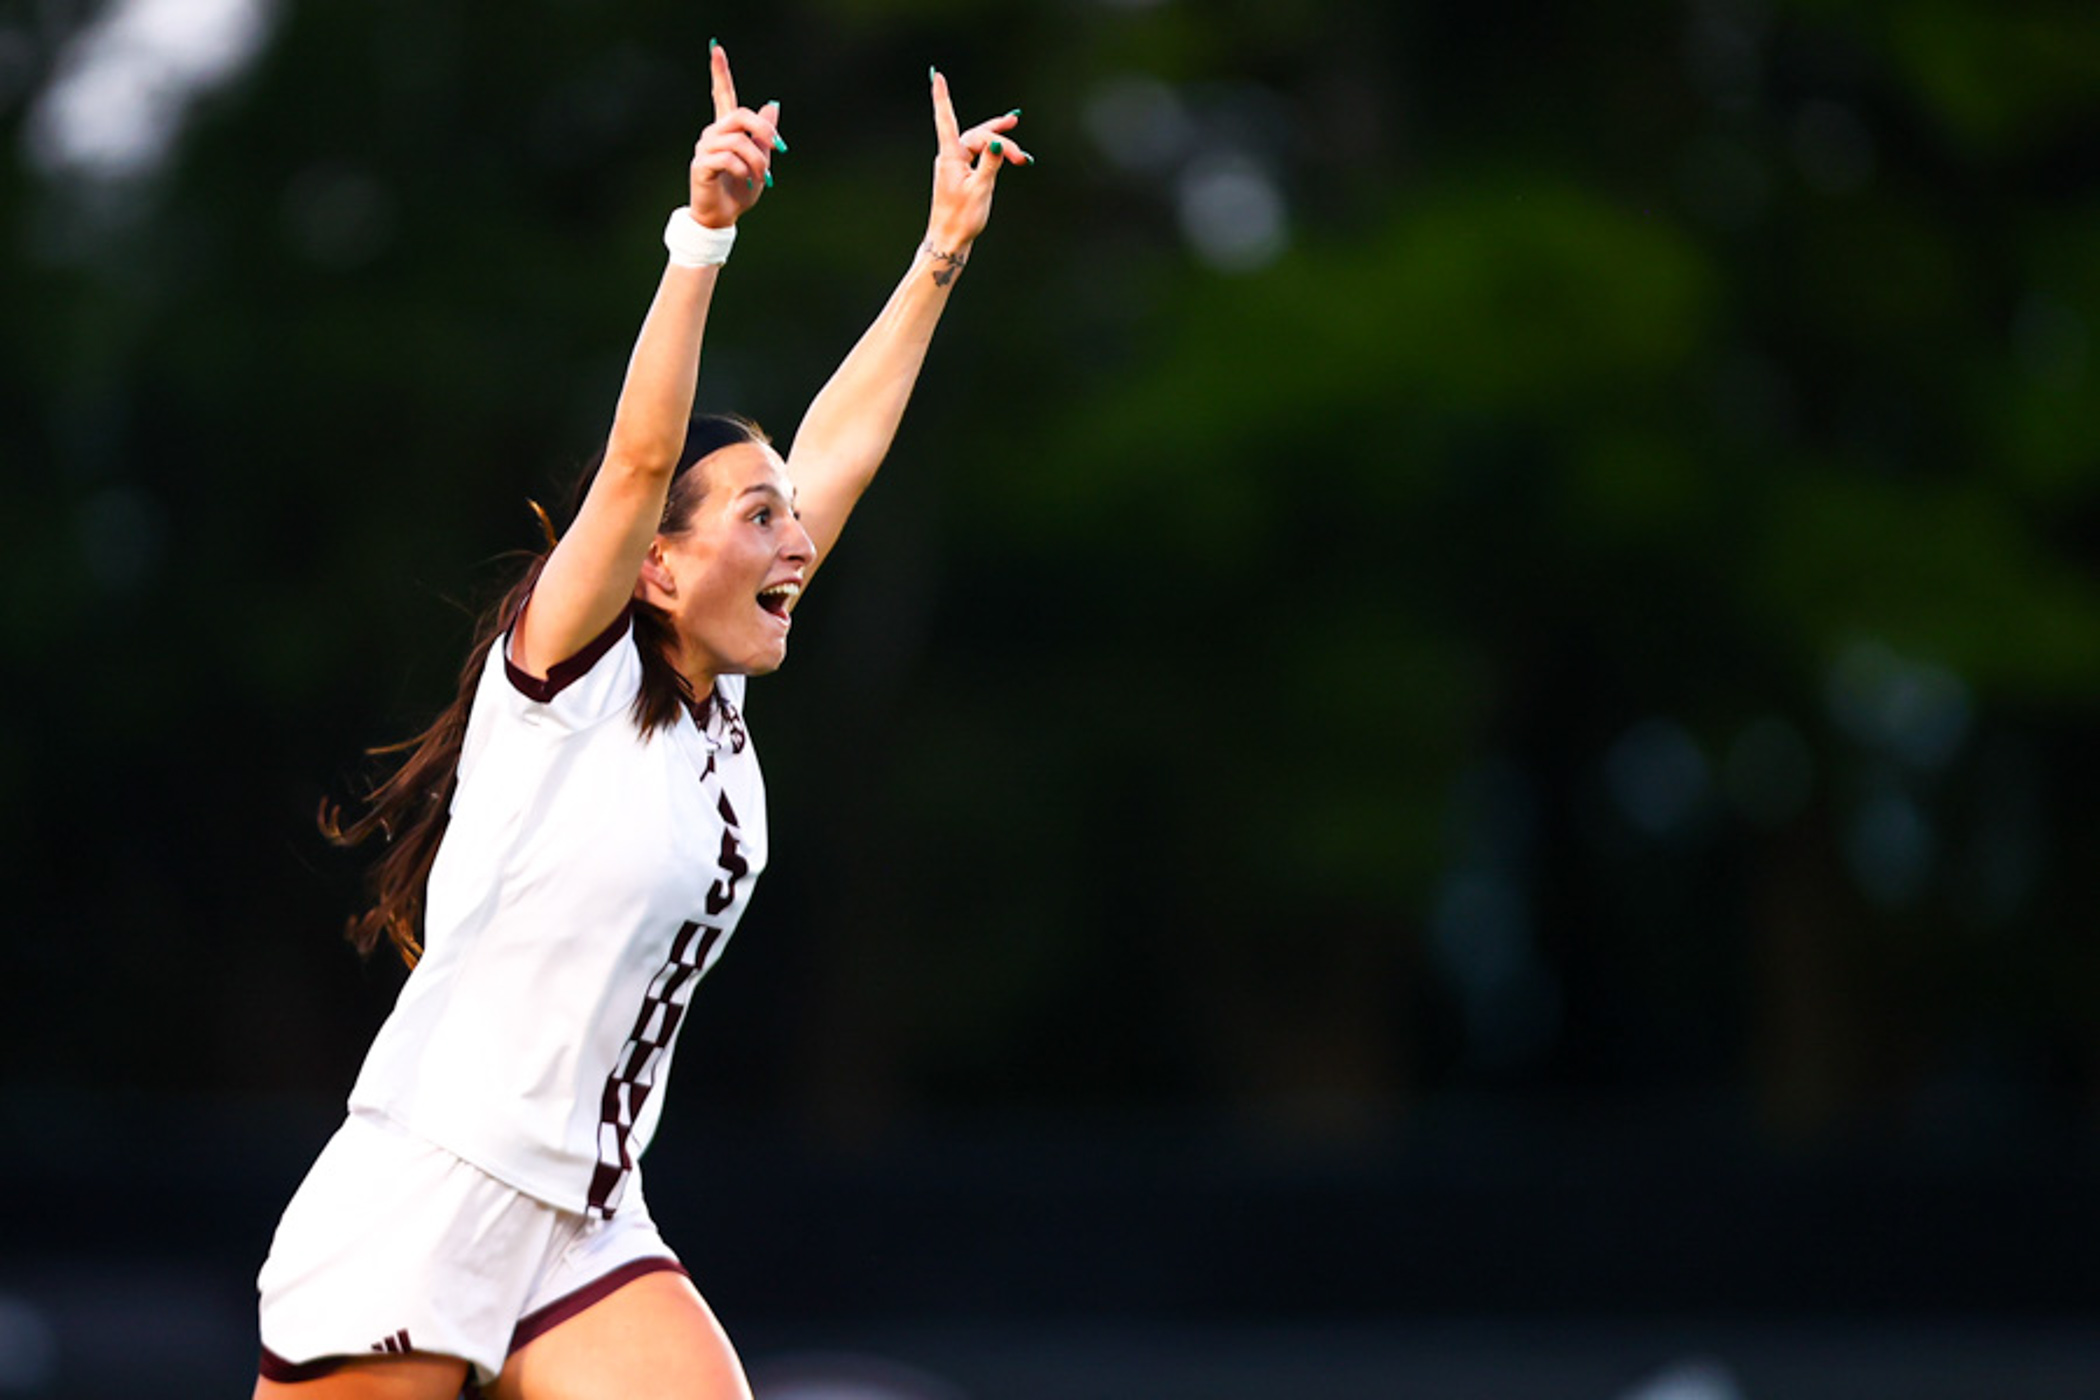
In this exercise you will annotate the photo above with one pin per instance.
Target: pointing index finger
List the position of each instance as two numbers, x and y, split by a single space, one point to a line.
723 86
944 115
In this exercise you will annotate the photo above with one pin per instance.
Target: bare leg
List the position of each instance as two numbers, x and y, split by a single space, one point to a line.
376 1378
653 1339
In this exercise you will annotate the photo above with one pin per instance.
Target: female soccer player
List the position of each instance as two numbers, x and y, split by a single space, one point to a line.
568 849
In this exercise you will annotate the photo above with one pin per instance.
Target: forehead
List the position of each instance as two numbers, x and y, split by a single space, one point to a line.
747 467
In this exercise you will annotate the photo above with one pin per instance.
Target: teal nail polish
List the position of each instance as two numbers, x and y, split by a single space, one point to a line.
712 45
769 179
1015 112
932 72
996 148
748 185
778 144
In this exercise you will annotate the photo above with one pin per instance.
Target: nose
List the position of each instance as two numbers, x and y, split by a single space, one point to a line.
798 547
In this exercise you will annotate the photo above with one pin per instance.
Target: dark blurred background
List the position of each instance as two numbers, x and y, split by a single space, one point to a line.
1455 758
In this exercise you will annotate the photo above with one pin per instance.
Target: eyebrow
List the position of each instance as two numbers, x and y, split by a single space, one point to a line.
765 488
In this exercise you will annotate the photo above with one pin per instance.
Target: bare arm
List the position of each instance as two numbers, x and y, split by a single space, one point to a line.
591 575
850 425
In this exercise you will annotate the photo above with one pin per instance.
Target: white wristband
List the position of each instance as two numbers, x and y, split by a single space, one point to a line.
694 244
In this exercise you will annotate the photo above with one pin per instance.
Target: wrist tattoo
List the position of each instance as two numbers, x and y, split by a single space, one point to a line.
954 263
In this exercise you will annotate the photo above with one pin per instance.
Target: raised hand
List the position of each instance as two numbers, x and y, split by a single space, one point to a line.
733 159
964 169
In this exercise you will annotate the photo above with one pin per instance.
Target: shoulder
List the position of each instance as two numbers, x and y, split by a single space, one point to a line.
599 681
564 674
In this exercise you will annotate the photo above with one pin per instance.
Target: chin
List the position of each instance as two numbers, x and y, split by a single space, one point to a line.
764 665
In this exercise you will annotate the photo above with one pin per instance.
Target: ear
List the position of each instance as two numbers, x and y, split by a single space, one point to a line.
657 584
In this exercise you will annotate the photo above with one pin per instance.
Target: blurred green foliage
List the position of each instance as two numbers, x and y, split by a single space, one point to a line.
1441 549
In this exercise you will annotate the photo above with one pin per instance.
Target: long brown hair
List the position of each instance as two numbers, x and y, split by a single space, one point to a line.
409 807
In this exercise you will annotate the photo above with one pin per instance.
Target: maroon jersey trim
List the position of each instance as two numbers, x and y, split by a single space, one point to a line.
562 674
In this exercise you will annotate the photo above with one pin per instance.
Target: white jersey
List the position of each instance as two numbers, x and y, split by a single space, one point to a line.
586 882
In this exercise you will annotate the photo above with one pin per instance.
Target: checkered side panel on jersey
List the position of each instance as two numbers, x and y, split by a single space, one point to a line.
634 1073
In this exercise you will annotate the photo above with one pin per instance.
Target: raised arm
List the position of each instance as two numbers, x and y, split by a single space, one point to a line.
848 429
591 575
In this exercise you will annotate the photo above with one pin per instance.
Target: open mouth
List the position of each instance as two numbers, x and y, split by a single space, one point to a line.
778 598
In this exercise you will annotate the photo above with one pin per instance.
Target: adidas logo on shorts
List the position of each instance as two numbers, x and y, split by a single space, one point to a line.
398 1343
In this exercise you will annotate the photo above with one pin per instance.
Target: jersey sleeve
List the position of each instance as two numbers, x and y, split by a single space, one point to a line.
590 686
511 706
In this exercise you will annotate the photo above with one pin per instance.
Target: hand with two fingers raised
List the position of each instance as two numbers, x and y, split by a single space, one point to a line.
965 167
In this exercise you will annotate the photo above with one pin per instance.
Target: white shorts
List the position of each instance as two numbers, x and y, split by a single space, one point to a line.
392 1244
